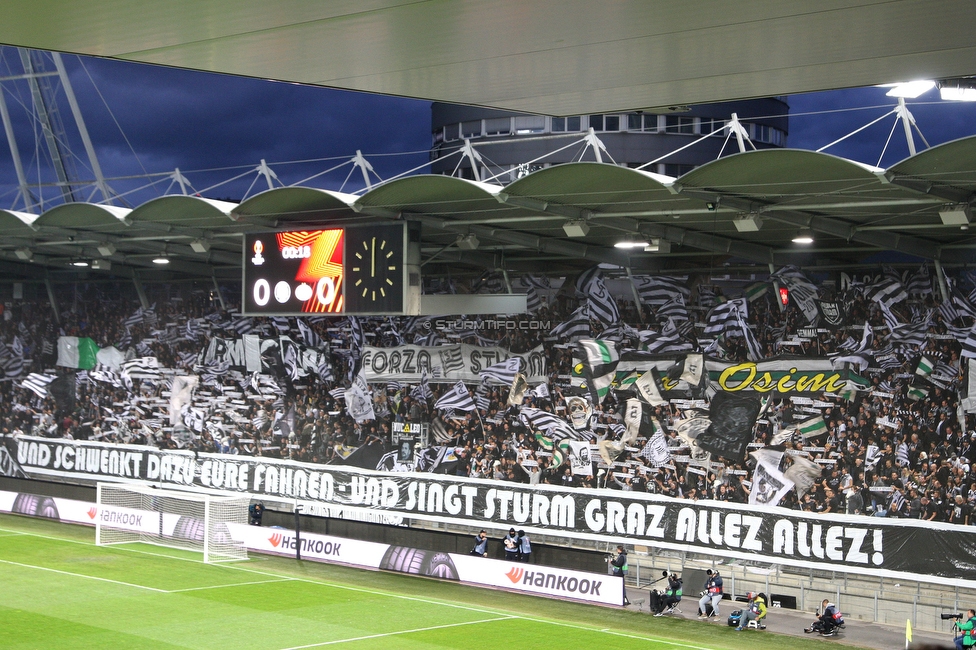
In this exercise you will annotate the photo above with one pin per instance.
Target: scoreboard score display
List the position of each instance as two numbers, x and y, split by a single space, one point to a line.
360 269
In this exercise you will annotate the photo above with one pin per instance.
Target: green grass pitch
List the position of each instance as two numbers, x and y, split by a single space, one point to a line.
59 590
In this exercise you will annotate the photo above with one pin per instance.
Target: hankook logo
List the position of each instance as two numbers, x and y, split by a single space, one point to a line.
515 574
92 512
275 539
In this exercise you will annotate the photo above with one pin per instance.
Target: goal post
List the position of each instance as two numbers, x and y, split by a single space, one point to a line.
184 520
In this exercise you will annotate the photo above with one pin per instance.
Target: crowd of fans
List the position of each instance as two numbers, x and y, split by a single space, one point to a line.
883 453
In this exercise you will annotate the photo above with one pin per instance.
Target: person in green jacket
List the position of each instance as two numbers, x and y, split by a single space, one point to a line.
966 638
754 611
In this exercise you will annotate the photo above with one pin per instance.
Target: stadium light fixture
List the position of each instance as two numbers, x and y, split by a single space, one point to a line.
803 236
162 259
468 242
102 265
106 249
81 263
200 245
24 253
955 215
631 244
748 223
909 89
576 228
958 94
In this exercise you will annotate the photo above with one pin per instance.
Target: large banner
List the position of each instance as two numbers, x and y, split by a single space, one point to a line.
875 546
513 576
446 363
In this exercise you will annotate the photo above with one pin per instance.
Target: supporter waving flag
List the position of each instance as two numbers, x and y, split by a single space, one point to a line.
456 398
598 366
502 372
599 303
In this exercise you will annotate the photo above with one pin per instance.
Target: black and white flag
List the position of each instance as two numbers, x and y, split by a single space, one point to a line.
576 326
887 292
832 313
502 372
456 398
38 383
599 303
550 424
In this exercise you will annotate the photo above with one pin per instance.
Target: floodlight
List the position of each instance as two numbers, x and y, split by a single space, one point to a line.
631 244
162 259
748 223
955 215
576 228
80 263
803 236
106 249
911 89
957 94
658 246
468 242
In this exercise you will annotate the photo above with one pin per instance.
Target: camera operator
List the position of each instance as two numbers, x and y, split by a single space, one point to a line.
618 567
711 596
965 638
672 595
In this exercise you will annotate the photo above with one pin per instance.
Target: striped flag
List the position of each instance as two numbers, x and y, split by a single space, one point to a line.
756 290
423 390
599 363
813 427
551 425
917 392
724 316
38 383
969 345
924 367
920 284
660 289
803 292
577 325
599 303
456 398
887 291
481 398
502 372
140 368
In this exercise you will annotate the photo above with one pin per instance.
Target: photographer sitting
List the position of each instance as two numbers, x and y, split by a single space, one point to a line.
755 611
671 596
966 638
829 621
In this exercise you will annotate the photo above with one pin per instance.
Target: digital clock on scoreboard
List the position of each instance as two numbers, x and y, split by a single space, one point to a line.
352 270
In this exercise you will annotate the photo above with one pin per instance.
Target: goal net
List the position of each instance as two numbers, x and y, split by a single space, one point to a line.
185 520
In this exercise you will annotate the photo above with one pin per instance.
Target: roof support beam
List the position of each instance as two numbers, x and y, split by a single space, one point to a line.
881 239
545 244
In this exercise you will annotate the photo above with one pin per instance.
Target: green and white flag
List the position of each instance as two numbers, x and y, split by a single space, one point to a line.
925 366
74 352
756 290
917 392
598 366
813 427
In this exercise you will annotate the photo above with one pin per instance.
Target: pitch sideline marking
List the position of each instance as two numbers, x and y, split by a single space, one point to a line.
376 592
82 575
237 584
385 634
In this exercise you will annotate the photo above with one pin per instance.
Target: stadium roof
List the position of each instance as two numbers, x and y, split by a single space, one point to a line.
918 207
566 58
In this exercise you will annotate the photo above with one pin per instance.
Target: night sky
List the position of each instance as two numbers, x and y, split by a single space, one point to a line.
202 121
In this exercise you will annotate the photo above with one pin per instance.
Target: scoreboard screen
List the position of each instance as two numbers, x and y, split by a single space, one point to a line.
294 272
353 270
